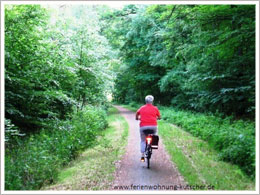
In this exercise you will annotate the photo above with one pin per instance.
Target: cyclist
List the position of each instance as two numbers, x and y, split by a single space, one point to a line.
148 117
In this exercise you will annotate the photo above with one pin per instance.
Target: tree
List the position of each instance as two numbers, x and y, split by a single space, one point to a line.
58 62
198 57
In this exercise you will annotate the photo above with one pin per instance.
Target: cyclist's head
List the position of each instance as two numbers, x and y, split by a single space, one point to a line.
149 99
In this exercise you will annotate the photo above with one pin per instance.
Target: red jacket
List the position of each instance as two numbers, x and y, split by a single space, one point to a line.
149 115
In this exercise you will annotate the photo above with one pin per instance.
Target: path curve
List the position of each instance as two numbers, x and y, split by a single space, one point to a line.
132 172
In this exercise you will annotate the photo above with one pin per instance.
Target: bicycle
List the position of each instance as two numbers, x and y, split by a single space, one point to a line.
151 141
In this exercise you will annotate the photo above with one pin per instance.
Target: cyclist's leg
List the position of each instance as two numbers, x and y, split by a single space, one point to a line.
142 143
155 129
142 136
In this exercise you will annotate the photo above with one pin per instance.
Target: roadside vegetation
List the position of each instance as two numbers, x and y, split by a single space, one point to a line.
35 160
199 163
55 89
94 169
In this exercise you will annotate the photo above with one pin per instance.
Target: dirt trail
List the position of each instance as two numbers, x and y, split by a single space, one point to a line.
133 172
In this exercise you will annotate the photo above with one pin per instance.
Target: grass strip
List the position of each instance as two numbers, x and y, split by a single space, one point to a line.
198 162
94 169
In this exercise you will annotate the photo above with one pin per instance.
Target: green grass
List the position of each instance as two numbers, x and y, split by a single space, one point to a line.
94 169
134 109
198 162
233 139
33 161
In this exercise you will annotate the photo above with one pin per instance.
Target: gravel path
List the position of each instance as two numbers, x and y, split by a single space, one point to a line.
132 173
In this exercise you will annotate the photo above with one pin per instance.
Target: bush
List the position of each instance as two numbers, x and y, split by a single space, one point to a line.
135 104
234 139
36 159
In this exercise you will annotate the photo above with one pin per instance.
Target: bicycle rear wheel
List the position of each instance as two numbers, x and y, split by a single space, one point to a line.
148 162
148 156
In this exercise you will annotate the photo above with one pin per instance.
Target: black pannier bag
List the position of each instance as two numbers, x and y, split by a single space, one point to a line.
155 141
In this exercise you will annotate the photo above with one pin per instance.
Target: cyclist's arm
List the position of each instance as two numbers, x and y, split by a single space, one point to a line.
158 115
137 116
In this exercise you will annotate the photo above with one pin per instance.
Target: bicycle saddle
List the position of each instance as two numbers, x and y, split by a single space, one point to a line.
148 131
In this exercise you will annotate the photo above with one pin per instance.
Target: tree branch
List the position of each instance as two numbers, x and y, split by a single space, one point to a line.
173 8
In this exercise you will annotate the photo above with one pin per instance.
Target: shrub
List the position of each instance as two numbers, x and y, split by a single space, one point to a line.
35 160
234 139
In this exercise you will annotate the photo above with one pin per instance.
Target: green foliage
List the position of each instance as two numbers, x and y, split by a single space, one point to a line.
55 82
199 163
94 169
51 66
22 52
35 160
197 57
12 134
235 140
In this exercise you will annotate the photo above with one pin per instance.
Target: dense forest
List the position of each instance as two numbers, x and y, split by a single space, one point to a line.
64 62
52 66
194 57
56 88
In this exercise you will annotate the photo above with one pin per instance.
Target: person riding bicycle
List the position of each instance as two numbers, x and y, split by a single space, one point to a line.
148 117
